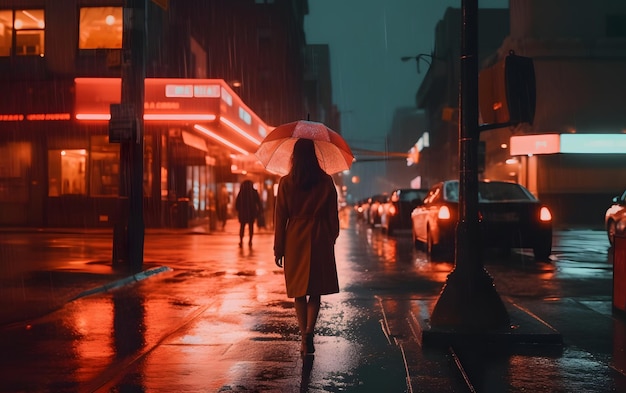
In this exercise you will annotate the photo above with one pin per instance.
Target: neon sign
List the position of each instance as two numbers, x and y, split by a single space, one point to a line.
35 117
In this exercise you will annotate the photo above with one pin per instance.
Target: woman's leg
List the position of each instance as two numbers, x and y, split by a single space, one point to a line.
312 311
242 226
250 231
301 314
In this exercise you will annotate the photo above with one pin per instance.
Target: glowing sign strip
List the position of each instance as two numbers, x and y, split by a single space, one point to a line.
593 143
218 138
240 131
151 117
196 117
522 145
93 116
568 143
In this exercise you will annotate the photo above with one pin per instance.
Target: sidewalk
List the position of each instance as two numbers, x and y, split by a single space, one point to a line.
46 290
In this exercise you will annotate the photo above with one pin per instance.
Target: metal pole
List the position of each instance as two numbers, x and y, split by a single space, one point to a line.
469 300
129 239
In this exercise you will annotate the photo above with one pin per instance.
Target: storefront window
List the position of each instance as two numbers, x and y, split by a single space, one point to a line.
100 28
105 167
15 163
66 172
26 27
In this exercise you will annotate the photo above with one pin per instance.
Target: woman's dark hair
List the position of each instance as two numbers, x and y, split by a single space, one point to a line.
305 168
247 185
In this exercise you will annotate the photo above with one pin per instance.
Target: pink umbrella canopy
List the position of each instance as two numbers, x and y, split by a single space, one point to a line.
333 153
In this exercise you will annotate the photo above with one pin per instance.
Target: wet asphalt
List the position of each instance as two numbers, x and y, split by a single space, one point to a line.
207 316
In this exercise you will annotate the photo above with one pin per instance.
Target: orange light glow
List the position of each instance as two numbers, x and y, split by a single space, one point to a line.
36 117
545 215
187 117
12 117
218 138
48 116
444 213
240 131
392 210
151 117
535 144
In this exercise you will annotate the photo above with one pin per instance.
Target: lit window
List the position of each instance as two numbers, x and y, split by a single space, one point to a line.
100 28
66 172
22 32
6 32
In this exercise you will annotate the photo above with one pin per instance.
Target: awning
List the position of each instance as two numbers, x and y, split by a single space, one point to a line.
194 141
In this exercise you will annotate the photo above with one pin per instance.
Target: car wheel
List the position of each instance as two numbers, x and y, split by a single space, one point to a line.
610 231
543 250
433 250
416 243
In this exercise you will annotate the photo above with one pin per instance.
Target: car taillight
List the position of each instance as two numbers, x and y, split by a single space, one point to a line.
444 213
392 210
544 214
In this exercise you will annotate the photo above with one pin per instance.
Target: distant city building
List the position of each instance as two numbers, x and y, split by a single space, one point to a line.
570 156
405 143
573 156
438 95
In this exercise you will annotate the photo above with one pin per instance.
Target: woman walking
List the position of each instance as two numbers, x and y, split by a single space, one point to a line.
306 227
248 205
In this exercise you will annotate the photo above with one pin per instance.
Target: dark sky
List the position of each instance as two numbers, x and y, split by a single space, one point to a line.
367 38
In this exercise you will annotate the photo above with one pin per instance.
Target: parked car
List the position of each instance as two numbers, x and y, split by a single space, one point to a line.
509 217
396 212
359 208
615 218
374 209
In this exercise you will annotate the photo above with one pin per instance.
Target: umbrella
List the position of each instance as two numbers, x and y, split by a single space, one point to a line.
333 153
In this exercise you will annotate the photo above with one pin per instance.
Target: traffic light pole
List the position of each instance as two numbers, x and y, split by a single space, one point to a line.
128 236
469 301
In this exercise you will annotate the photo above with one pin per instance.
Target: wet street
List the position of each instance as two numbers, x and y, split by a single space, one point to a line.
215 318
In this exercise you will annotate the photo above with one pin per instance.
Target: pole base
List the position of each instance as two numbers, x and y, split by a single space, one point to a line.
469 302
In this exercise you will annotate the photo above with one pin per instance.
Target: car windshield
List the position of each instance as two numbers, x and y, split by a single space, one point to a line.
492 192
411 195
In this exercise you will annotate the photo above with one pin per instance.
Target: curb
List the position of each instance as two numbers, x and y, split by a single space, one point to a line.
122 282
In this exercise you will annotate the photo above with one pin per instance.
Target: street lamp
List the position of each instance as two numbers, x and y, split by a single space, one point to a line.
417 58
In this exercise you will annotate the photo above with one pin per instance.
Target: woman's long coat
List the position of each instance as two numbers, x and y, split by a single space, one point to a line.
306 227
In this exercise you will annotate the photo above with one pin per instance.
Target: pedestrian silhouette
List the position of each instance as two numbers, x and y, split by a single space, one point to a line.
248 205
222 205
306 228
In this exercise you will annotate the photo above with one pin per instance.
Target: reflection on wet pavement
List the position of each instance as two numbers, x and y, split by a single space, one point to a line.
220 320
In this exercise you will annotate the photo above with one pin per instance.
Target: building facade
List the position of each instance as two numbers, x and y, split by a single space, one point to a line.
438 95
60 65
573 155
